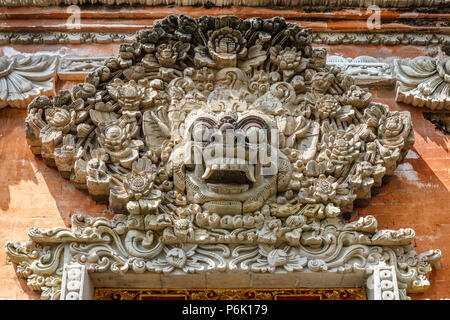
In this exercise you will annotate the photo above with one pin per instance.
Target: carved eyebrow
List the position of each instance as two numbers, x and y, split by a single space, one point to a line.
251 121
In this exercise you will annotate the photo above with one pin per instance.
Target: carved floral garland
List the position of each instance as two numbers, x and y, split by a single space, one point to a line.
125 135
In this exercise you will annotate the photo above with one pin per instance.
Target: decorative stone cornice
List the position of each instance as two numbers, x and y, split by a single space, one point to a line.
423 82
65 37
221 144
252 3
23 77
391 38
366 70
124 245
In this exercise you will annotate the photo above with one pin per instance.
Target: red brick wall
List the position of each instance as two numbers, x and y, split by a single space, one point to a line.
417 196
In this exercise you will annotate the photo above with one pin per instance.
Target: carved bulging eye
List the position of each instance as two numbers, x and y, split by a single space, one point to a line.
201 134
256 135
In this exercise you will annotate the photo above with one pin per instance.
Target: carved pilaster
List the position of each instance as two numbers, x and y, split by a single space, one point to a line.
76 284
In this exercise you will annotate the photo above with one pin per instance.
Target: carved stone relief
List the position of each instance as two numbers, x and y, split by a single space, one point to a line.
366 70
23 77
221 144
77 68
128 244
423 82
329 38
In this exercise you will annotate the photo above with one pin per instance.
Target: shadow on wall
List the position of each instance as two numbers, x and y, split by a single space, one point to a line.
29 189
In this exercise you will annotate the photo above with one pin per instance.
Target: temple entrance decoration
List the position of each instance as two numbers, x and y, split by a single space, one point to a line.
223 145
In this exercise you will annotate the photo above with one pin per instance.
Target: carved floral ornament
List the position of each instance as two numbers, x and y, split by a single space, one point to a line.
423 82
222 144
23 77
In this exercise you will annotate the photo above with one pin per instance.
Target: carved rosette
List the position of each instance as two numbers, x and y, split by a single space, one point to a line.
150 133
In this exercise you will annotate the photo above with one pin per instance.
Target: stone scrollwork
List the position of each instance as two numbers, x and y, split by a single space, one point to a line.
423 82
23 77
221 144
121 245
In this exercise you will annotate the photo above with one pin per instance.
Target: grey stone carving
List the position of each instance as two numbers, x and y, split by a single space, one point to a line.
221 144
23 77
366 70
64 37
77 68
423 82
252 3
127 245
381 38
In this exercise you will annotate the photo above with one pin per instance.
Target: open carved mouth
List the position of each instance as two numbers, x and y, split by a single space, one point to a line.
229 177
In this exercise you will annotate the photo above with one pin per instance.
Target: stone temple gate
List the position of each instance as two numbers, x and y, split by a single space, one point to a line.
230 153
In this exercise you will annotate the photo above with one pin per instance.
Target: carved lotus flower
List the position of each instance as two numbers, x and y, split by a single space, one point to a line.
391 127
116 138
357 97
169 53
321 81
271 260
324 188
341 148
136 191
132 96
60 119
129 95
327 107
227 45
287 59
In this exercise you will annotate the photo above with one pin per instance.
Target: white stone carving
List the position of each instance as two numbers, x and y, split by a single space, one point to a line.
365 69
222 144
423 82
77 68
23 77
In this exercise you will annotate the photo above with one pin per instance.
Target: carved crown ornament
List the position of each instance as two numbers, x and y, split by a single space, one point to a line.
222 145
